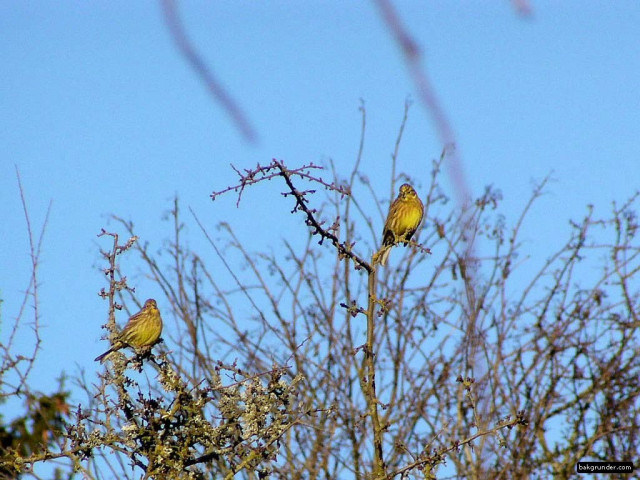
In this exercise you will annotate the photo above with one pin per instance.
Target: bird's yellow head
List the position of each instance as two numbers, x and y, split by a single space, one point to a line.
407 191
150 305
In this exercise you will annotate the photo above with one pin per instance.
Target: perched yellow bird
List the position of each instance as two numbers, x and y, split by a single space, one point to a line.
142 330
405 215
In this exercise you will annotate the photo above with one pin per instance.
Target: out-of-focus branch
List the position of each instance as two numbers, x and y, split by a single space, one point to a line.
204 72
427 95
523 7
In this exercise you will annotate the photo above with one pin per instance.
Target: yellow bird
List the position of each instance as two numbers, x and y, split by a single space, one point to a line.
405 215
142 330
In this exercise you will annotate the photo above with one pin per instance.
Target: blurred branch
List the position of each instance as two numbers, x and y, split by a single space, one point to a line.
412 56
205 73
523 7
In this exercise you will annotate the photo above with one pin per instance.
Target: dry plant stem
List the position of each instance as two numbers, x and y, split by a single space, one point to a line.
111 272
11 361
115 285
396 150
379 467
519 420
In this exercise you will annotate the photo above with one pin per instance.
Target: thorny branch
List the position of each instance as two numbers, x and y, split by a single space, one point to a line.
277 169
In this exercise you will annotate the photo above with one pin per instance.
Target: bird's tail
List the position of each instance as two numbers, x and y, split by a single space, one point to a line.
101 358
383 255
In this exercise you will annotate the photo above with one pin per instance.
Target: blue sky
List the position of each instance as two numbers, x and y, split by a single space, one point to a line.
101 115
